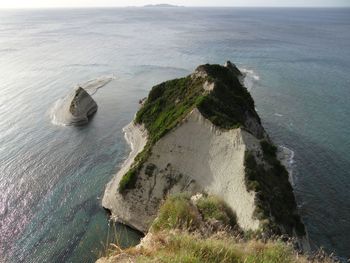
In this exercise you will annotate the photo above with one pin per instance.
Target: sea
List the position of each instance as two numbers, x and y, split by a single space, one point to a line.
52 177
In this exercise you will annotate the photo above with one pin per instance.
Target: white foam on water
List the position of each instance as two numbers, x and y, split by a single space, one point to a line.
93 85
56 108
57 112
251 78
286 156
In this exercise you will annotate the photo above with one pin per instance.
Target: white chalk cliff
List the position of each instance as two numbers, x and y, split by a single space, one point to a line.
194 156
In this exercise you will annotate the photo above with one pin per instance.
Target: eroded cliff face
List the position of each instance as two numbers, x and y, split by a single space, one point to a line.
206 151
194 157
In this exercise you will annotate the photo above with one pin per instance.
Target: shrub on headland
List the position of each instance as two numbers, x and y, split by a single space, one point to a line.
176 212
274 193
212 207
175 237
128 181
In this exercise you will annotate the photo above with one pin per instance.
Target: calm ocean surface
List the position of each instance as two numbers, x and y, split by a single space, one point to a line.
52 177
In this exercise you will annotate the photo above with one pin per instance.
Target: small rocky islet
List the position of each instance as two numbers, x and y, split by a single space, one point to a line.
74 109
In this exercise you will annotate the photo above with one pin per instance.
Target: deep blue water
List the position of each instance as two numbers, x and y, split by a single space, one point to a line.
52 177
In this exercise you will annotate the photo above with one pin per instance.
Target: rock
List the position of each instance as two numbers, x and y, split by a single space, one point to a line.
196 197
82 106
208 150
233 68
74 109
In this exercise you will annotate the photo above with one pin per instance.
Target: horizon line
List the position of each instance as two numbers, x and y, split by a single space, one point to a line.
174 6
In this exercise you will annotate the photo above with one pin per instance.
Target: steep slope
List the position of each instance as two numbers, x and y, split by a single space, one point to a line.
202 228
202 134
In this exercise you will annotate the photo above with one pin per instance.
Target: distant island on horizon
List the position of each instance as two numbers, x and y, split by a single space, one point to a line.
162 5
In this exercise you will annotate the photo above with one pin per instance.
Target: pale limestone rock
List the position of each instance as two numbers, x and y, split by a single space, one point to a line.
74 109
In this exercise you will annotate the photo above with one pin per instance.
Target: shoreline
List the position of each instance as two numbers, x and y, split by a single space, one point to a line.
136 137
286 157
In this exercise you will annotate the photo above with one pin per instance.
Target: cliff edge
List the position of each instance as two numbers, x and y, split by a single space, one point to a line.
201 134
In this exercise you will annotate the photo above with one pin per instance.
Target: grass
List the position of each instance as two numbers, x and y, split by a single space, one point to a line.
176 236
176 212
184 247
179 212
274 193
168 103
166 106
128 181
228 105
212 207
115 241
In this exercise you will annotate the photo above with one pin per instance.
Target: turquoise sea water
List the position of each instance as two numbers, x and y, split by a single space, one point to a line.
52 177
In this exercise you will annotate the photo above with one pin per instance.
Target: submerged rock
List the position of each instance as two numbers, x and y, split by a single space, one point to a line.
75 109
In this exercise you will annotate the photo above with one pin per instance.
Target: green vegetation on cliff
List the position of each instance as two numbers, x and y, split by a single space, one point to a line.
229 104
180 212
274 194
185 247
167 104
226 106
184 231
212 207
177 212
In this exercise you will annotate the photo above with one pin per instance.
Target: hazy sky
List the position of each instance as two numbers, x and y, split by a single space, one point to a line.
91 3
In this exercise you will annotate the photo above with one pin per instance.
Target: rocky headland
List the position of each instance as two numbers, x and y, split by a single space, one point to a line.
201 134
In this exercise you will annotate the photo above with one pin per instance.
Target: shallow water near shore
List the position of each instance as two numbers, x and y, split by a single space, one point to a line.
52 178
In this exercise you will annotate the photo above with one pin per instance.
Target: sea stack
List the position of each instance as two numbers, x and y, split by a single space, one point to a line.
201 134
75 109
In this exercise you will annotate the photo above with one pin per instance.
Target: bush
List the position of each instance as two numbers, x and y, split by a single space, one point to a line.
128 181
176 212
268 148
184 247
212 207
274 193
150 169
